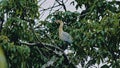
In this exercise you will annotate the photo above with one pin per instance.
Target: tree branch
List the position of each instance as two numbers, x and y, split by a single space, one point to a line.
47 46
50 46
64 7
50 8
62 4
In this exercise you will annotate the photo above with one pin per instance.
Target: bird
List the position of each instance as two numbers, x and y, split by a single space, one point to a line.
64 36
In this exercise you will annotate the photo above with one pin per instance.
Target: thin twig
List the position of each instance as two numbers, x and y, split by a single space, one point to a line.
50 8
42 2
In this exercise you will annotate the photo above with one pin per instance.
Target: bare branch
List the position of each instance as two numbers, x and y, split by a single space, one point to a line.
50 8
42 2
62 4
64 7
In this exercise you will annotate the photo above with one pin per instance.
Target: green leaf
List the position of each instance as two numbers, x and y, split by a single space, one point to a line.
105 66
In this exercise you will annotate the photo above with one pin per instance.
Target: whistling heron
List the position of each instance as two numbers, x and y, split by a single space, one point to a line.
63 35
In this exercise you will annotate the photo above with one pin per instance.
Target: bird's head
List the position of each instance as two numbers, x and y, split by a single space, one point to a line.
58 21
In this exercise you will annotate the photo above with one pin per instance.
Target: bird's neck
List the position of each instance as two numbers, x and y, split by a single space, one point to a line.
61 28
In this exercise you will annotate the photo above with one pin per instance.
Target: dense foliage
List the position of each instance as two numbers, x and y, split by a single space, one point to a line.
28 42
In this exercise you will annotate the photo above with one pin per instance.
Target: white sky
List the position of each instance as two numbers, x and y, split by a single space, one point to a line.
49 3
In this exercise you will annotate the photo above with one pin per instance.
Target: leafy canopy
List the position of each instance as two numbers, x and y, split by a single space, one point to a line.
95 32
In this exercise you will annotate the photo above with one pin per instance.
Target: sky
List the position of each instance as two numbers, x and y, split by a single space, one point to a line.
49 3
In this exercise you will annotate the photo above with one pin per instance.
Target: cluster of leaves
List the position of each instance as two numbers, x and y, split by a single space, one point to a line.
18 21
17 56
103 32
19 16
95 34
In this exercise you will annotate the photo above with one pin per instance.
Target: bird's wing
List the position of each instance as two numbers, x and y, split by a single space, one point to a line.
66 37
